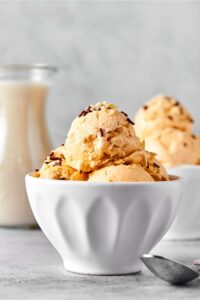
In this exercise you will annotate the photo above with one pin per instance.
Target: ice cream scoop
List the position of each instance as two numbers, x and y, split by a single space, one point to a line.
162 112
174 147
166 126
155 168
99 135
55 167
102 145
121 173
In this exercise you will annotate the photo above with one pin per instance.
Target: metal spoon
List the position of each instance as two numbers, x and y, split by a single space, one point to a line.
170 270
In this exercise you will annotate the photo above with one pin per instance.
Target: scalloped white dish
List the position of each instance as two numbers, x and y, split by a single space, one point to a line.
103 228
187 223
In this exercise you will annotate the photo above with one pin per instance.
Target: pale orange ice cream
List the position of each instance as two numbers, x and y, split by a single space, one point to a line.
101 134
139 157
174 147
155 168
55 167
166 127
102 146
162 112
152 170
120 173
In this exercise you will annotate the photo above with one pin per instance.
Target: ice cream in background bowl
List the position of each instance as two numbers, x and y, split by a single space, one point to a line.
101 198
166 127
162 112
174 147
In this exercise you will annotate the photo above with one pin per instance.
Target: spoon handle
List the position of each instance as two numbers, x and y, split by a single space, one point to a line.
196 264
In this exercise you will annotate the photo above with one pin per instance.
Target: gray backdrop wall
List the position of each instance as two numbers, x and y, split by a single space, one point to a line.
124 52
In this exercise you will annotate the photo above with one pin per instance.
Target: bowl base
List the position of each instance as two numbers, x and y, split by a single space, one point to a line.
91 270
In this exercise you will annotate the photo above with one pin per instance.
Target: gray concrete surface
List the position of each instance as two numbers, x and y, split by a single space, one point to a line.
30 268
122 51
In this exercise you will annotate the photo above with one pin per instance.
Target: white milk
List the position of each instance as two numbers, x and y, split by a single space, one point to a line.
24 143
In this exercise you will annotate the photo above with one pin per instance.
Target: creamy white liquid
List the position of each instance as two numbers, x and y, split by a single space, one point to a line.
24 143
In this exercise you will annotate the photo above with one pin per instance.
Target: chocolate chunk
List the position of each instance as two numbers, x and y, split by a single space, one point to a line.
145 107
185 144
36 170
191 120
193 136
124 113
101 132
170 117
129 120
177 103
62 178
88 109
55 158
155 165
83 113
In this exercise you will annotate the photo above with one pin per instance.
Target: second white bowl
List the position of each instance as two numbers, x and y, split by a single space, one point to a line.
103 228
187 223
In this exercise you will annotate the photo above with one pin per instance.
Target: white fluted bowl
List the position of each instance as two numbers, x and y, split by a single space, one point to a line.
103 228
187 223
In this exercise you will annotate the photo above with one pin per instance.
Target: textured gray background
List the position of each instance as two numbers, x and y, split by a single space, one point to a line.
124 52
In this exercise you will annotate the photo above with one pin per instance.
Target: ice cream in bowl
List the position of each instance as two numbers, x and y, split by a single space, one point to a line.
166 127
101 199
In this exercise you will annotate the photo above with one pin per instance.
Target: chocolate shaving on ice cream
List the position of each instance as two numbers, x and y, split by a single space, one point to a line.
191 120
55 158
130 121
101 132
97 107
155 165
124 113
177 103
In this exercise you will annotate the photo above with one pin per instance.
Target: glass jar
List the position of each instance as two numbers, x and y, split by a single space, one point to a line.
24 140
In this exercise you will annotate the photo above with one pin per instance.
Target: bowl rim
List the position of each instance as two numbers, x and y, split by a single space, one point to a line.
174 180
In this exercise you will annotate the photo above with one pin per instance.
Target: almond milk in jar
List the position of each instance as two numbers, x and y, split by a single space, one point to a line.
24 140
